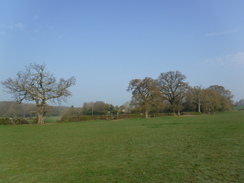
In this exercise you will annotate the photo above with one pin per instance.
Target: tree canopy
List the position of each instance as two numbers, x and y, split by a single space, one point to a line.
173 92
173 87
145 94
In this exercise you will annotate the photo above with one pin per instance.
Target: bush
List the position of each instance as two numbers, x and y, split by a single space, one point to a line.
77 118
5 121
100 117
163 114
13 121
19 121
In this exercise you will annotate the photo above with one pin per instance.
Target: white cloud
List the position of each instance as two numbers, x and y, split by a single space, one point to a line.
234 60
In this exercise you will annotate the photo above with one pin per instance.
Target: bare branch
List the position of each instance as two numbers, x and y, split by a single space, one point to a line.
38 85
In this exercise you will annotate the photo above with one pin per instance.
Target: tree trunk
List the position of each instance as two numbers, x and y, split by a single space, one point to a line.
174 112
199 107
146 113
40 118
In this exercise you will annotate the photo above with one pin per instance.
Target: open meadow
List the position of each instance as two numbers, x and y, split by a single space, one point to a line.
203 148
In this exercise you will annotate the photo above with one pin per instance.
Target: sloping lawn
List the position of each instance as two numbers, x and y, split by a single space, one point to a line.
205 148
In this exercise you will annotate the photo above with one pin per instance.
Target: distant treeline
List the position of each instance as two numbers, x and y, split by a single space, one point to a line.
13 109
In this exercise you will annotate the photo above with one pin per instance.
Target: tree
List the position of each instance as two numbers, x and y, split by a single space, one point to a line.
225 97
87 108
173 88
71 112
125 107
96 108
101 108
195 96
222 91
40 86
240 102
211 101
145 94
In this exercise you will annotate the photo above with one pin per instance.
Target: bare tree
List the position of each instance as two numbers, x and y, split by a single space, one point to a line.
38 85
195 95
240 102
145 94
173 87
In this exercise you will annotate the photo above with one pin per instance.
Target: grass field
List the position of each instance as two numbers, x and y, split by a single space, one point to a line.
204 148
239 107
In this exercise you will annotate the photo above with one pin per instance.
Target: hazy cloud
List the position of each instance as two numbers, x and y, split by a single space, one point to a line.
19 26
14 26
237 59
234 60
224 32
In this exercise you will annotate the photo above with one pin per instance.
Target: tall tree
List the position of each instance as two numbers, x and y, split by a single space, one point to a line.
101 108
38 85
222 91
225 97
173 87
195 96
211 101
145 94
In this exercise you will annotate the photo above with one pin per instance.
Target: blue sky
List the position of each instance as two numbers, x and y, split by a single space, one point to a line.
106 43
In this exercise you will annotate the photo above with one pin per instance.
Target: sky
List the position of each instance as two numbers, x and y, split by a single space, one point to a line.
105 44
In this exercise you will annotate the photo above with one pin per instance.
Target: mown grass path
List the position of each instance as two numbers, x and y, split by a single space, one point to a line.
205 148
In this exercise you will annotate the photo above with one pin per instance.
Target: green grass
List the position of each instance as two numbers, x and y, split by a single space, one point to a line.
239 107
205 148
51 119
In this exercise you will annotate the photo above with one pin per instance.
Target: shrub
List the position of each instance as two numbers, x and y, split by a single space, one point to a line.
5 121
77 118
19 121
100 117
13 121
163 114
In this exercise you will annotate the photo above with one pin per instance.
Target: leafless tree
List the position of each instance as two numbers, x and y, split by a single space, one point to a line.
195 95
38 85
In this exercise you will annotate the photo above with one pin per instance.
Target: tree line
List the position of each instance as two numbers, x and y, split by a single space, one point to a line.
13 109
10 109
93 109
170 92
